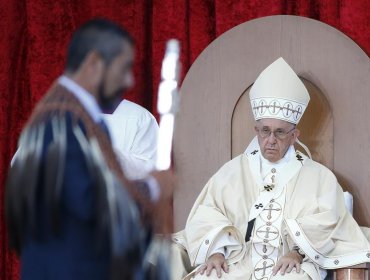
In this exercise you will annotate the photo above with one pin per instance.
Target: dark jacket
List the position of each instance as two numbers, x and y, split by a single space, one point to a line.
76 251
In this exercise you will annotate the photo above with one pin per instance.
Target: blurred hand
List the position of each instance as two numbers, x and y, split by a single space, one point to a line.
166 180
216 261
287 263
163 223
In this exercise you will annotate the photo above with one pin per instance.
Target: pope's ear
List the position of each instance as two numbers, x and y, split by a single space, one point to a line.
297 132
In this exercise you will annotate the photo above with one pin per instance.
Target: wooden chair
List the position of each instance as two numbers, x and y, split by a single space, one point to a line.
215 122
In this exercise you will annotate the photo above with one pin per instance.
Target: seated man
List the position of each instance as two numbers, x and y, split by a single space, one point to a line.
134 138
272 212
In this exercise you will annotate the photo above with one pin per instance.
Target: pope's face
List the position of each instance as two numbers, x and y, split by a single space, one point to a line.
117 78
275 144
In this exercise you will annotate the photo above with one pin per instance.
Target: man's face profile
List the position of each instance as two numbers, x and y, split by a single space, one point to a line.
117 78
275 137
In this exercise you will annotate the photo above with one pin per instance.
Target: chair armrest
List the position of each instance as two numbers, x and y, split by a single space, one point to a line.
355 272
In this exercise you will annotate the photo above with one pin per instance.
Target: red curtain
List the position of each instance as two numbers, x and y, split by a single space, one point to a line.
35 34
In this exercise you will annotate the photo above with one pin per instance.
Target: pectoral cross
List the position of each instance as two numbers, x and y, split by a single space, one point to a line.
264 267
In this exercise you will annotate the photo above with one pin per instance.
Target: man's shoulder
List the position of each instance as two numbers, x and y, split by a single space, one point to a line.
311 163
131 109
316 167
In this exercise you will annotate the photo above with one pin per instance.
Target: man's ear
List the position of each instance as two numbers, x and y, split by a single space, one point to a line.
93 66
296 134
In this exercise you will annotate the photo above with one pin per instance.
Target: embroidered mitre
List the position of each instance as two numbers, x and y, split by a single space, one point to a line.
278 93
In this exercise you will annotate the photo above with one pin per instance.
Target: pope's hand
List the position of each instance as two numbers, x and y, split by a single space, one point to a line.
216 261
287 263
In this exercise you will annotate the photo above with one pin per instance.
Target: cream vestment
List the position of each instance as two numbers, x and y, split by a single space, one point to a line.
306 208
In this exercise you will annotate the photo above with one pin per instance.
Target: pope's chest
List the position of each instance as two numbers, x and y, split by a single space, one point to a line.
268 213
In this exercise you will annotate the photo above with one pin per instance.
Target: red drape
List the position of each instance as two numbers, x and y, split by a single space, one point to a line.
35 34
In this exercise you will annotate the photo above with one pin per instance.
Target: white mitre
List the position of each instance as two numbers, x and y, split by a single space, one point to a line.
278 93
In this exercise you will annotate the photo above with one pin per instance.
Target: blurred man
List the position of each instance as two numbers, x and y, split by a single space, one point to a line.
71 212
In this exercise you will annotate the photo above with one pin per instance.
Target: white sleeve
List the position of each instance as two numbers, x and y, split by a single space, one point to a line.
144 144
141 156
224 244
134 138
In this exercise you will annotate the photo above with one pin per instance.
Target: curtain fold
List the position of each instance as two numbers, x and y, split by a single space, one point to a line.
35 34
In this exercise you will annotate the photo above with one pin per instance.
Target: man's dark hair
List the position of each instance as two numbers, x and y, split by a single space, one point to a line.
101 35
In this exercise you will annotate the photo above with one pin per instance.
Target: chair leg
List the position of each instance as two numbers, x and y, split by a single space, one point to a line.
351 274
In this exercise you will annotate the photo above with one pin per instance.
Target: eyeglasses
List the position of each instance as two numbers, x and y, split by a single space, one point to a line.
278 134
